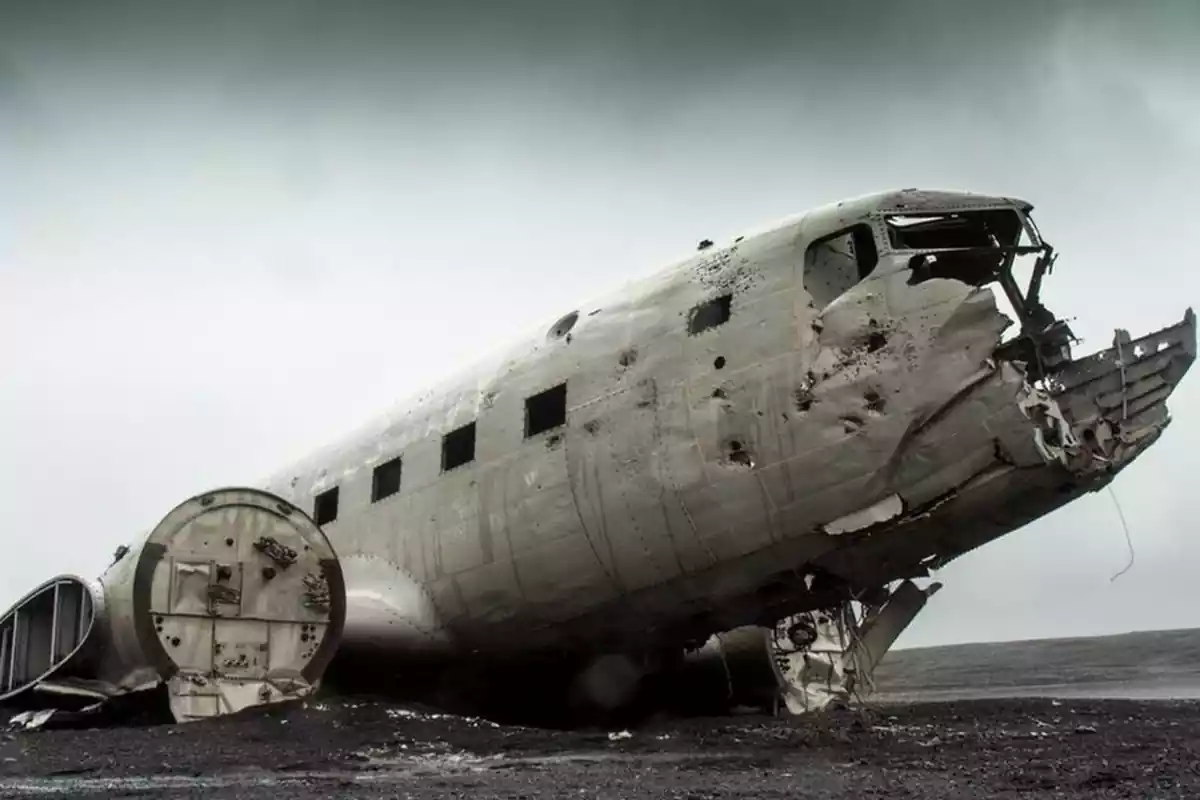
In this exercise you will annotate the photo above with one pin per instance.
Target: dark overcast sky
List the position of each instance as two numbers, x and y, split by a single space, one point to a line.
229 232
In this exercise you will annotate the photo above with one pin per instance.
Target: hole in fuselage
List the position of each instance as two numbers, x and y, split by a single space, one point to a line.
709 315
564 325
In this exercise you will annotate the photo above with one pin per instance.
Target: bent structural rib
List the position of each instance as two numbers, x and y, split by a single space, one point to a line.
45 633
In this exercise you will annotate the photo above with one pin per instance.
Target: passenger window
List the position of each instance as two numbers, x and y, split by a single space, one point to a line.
385 481
834 264
458 447
325 507
546 410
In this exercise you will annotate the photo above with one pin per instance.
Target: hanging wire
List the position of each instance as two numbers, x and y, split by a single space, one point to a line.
1128 538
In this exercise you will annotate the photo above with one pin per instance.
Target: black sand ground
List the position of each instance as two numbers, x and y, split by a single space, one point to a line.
991 748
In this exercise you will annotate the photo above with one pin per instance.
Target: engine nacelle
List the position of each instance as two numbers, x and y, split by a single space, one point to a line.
235 599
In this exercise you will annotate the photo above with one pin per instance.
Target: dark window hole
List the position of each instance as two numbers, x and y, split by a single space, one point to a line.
875 402
458 447
564 325
710 314
720 362
325 506
385 481
546 410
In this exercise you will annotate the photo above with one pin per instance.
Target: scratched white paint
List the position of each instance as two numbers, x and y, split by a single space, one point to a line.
699 475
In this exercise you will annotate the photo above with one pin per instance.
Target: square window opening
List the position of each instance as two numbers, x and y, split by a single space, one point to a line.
325 506
546 410
458 447
385 481
836 263
709 315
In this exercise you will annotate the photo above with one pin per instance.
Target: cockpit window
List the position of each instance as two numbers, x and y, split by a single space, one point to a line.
954 230
999 246
975 247
835 263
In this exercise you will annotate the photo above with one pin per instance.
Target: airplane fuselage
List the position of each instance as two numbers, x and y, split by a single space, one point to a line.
780 424
689 454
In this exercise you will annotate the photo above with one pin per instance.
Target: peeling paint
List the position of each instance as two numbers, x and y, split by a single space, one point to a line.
889 507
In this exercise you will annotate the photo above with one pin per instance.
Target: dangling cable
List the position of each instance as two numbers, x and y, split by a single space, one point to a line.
1128 538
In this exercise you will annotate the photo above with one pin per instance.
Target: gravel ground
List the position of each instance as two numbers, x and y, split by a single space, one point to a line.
1030 748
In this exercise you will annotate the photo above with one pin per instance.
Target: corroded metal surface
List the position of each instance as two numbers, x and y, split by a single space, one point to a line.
776 425
725 433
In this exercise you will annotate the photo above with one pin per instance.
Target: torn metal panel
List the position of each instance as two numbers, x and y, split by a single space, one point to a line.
30 720
806 662
809 649
829 656
1115 400
887 508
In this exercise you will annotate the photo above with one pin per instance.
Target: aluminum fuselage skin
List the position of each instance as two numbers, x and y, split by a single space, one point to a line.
692 484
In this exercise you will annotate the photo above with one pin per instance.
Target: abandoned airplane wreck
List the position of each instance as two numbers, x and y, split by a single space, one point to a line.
725 484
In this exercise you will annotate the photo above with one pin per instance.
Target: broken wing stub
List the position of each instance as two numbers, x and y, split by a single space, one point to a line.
235 599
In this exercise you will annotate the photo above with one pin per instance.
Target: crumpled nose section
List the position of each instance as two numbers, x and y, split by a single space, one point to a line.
1108 408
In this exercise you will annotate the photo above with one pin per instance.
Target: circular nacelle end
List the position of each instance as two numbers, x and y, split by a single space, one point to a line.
237 599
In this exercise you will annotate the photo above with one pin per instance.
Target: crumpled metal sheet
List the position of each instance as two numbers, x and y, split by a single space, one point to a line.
828 657
810 649
30 720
